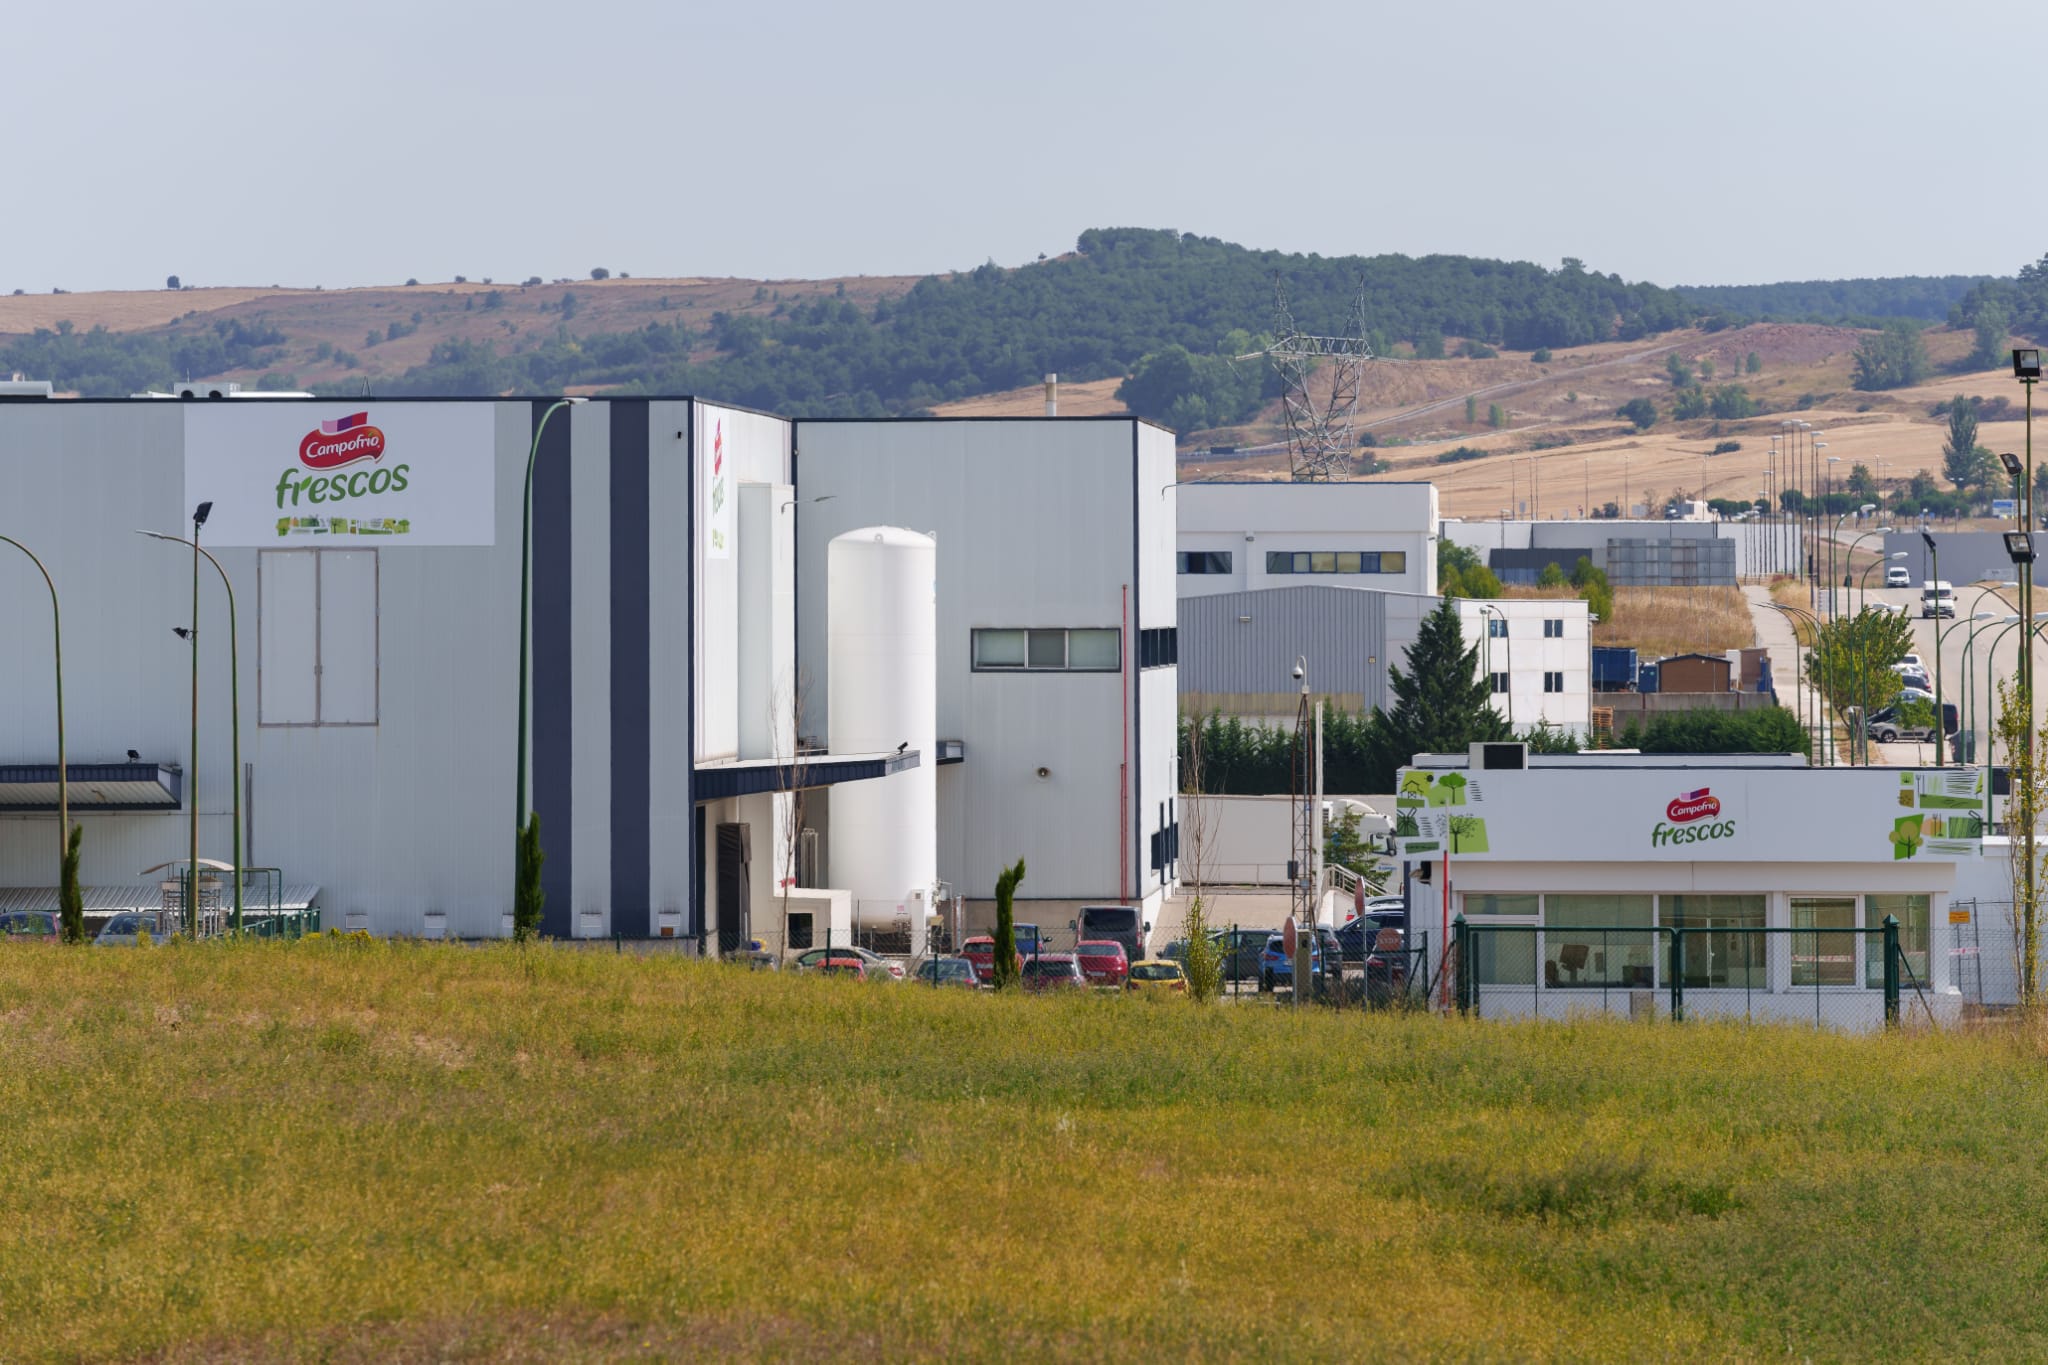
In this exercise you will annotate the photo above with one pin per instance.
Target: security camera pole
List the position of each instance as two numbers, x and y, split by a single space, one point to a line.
1304 868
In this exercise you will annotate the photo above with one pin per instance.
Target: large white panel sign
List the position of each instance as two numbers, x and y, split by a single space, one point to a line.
281 473
1690 814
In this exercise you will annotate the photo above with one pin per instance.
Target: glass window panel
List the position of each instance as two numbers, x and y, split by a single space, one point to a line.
1093 649
1219 561
1347 561
1301 561
1912 915
998 649
1500 682
1724 942
1393 561
1322 561
1507 903
1605 941
1279 561
1048 649
1818 958
1505 957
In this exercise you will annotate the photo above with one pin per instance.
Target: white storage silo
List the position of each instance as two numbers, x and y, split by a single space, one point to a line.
882 628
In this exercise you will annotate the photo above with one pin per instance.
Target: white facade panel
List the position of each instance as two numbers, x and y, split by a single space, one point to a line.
736 447
288 631
1244 524
348 637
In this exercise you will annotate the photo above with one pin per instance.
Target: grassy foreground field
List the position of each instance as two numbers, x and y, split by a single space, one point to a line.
371 1151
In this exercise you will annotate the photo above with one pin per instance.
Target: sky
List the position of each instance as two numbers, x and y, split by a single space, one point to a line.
369 142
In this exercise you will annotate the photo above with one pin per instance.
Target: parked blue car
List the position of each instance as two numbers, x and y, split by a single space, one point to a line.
1277 969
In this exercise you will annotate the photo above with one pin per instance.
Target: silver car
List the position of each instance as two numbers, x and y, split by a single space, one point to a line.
126 929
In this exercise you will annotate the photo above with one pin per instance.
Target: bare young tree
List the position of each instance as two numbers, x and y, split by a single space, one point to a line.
785 712
1204 962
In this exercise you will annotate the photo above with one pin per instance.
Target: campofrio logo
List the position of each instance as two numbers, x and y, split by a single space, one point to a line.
1683 812
349 444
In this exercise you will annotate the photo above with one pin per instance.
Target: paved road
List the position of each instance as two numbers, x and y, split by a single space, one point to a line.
2003 655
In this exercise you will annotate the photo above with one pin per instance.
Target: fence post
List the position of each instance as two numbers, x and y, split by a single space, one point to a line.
1891 971
1462 932
1677 974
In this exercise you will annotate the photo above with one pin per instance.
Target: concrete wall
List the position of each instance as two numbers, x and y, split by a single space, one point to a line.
1962 556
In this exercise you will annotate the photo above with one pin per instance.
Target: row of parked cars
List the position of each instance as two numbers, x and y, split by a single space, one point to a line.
1375 942
122 930
1094 963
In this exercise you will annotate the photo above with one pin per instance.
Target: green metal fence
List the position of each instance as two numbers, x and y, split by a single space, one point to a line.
1826 976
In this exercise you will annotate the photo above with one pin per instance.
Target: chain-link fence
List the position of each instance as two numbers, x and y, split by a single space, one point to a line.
1824 975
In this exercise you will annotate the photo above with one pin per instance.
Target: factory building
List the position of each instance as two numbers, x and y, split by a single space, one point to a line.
374 547
1057 641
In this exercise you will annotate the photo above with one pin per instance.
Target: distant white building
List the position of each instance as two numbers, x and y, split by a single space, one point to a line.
1240 537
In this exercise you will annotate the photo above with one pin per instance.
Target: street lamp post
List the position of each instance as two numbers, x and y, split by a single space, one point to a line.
525 596
1934 561
1507 661
234 707
1976 723
63 782
1795 615
1834 539
2026 367
199 516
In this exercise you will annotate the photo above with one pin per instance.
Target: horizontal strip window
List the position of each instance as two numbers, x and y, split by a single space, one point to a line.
1090 650
1336 561
1203 561
1159 648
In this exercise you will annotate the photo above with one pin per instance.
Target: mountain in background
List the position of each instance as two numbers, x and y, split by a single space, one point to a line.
870 347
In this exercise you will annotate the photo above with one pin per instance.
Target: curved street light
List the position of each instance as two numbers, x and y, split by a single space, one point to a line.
1508 661
1850 554
1969 685
63 783
235 708
1797 614
1863 580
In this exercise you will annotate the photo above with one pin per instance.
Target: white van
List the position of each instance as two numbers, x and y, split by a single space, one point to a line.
1937 598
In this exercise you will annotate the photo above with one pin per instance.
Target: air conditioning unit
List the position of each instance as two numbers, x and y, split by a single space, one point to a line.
216 389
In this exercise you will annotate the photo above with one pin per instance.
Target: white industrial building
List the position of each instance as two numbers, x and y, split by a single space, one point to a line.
1239 537
1645 553
374 547
1056 696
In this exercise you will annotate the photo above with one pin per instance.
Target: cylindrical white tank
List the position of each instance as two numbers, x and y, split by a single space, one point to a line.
881 608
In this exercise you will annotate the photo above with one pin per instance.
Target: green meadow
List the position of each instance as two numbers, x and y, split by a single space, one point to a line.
363 1151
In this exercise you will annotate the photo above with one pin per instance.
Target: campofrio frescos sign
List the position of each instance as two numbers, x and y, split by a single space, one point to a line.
284 472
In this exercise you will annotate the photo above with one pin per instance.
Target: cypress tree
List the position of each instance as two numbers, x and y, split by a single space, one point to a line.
1006 925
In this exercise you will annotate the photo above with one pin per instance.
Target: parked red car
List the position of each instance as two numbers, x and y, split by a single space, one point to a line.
1103 962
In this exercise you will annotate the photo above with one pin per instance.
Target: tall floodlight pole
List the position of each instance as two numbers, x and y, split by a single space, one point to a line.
63 784
2026 367
234 701
1302 785
199 516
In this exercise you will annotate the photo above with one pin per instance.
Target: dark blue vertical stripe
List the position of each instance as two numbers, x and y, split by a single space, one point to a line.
694 838
553 726
632 621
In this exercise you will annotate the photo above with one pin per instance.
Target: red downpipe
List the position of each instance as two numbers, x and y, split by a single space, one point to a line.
1123 794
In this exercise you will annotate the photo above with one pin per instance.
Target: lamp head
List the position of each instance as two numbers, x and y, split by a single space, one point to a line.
1924 536
2026 362
575 402
201 513
1300 668
2020 546
2011 463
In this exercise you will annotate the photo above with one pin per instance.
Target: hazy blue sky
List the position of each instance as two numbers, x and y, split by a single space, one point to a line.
361 143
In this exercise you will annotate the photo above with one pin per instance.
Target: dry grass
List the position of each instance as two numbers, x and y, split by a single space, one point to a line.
1660 622
370 1151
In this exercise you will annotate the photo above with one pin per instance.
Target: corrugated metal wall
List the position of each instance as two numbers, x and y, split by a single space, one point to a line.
1247 642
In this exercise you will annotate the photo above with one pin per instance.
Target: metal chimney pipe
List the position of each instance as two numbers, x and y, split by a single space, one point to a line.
1052 395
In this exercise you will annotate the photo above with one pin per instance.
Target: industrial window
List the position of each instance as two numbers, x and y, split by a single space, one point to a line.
1096 650
317 637
1819 957
1722 944
1500 683
1332 562
1496 627
1603 941
1501 903
1204 561
1553 628
1553 682
1912 915
1158 647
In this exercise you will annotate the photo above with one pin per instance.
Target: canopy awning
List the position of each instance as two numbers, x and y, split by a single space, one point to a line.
32 787
112 900
752 776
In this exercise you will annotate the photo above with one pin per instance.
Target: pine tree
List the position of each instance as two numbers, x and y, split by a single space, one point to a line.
1441 704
